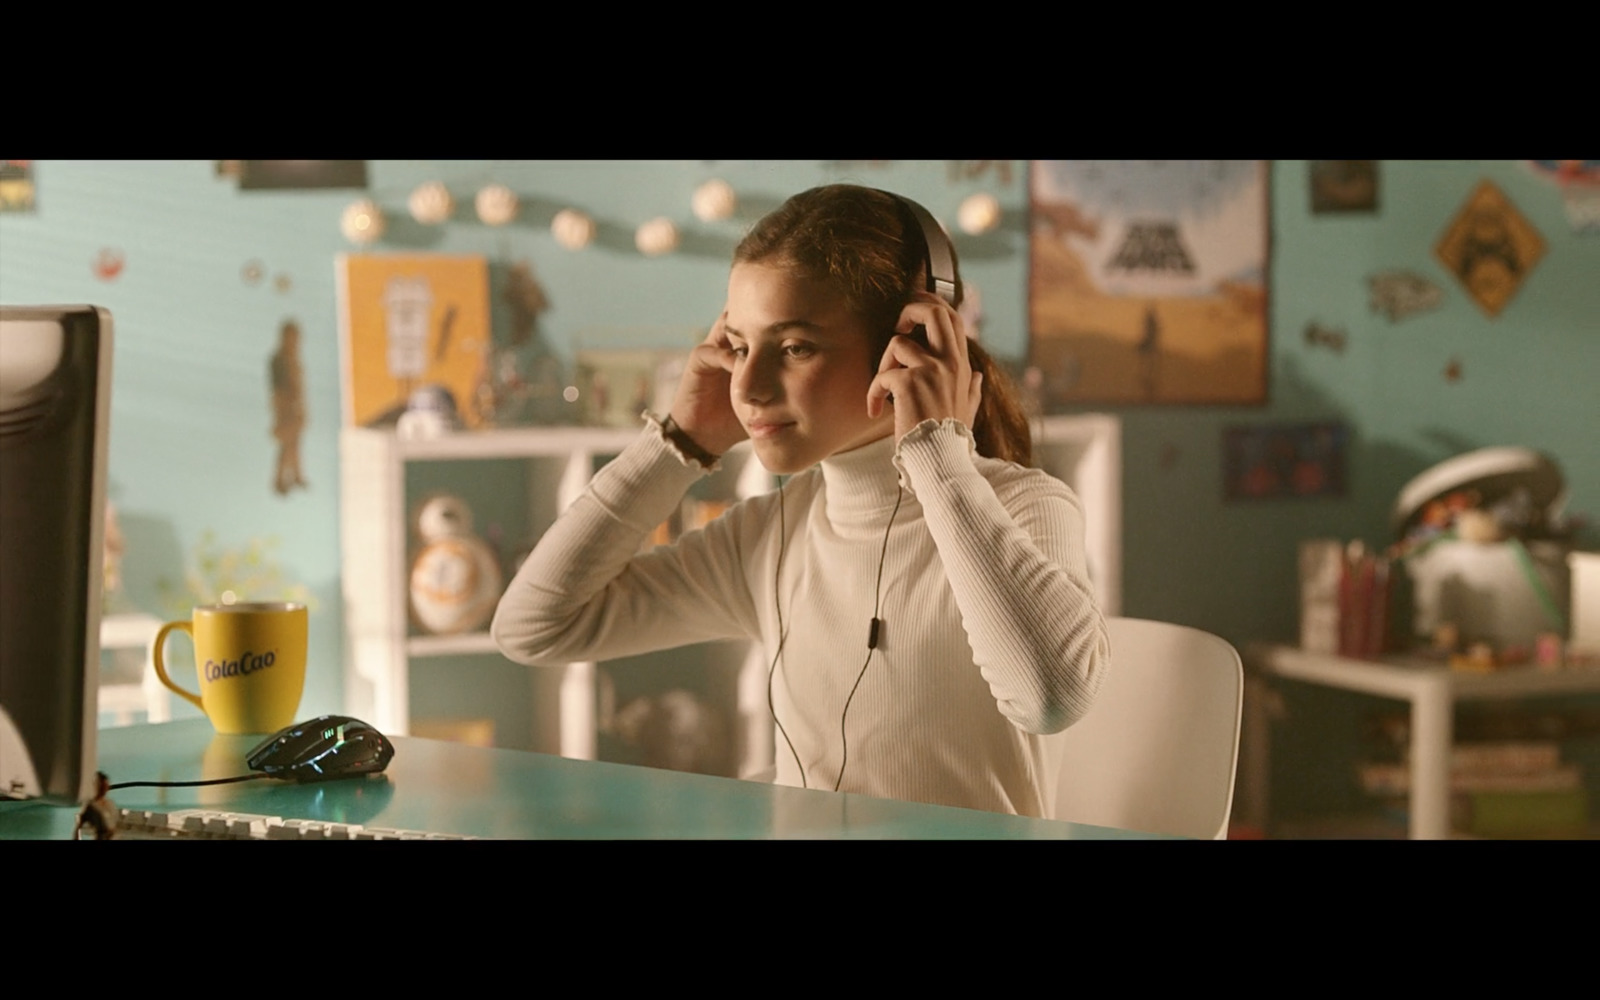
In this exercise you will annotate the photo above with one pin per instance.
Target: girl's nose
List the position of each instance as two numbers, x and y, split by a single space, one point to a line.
755 378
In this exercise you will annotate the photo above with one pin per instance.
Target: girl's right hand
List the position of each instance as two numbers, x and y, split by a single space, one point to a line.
702 408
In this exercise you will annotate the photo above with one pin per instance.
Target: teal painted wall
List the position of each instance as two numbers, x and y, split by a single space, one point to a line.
1528 378
191 450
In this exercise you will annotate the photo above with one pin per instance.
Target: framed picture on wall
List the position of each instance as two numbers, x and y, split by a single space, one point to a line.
16 186
1343 185
1278 461
1147 281
278 175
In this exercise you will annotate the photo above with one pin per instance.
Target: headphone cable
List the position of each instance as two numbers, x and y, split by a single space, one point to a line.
872 639
777 606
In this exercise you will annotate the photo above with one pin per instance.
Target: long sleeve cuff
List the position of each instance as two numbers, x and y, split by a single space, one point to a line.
935 451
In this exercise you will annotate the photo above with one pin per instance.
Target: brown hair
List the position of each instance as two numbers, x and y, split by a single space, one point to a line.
867 246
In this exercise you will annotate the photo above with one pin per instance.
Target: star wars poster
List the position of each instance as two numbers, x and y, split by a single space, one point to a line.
415 334
1147 281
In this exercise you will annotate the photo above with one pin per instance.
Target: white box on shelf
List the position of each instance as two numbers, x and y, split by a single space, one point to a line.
1321 567
1585 616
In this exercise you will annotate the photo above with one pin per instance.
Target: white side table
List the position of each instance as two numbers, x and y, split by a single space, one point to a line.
1431 688
150 696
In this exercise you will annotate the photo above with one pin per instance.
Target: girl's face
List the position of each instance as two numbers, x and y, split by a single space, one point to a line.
803 362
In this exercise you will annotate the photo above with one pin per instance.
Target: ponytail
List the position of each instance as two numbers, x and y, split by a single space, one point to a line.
1001 428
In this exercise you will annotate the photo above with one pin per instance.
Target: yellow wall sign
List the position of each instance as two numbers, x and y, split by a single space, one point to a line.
1490 247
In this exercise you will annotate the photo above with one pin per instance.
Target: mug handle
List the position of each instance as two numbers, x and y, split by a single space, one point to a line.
156 655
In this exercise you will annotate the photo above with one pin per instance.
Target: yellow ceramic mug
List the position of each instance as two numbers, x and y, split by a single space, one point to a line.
251 660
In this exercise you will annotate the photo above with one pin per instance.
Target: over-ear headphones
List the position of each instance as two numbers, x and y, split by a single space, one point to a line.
937 252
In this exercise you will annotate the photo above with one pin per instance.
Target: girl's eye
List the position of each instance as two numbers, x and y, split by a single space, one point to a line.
797 350
739 350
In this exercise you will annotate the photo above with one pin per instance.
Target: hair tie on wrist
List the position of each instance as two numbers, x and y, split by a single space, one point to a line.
685 443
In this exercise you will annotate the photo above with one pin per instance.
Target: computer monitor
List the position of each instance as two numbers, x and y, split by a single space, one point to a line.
55 398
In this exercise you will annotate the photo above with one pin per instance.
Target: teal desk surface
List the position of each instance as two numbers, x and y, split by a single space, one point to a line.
452 788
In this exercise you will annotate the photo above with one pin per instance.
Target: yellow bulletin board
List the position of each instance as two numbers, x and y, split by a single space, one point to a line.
408 322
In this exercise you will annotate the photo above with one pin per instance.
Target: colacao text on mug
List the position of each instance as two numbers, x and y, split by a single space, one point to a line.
246 664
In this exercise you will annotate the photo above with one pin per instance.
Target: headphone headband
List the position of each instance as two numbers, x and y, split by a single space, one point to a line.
937 255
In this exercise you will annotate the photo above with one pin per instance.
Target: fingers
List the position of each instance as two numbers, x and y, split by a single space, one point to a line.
718 334
715 351
919 397
935 380
946 345
709 357
903 352
877 392
946 334
701 407
889 385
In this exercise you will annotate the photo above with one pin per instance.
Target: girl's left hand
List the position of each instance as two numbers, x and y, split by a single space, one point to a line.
932 381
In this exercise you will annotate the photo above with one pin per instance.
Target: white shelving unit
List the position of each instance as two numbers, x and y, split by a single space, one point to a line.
374 537
381 646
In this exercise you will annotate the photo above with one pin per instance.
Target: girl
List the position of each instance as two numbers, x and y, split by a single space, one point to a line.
922 597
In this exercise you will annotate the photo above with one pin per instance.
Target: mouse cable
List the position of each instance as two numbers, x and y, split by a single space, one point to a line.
184 784
872 640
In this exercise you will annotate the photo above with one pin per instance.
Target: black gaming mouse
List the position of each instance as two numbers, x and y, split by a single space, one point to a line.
327 747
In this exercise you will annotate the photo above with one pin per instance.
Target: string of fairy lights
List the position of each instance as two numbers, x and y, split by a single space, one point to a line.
431 203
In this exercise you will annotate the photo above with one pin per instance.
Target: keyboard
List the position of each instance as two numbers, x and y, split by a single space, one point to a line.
212 824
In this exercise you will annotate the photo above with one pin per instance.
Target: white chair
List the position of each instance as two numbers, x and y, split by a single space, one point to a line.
1158 750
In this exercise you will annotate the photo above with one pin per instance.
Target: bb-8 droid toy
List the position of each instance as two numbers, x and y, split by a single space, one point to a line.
455 577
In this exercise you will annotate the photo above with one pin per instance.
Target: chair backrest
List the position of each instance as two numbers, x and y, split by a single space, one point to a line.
1158 750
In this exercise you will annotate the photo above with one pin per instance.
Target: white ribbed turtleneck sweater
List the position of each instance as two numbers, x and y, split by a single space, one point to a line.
990 636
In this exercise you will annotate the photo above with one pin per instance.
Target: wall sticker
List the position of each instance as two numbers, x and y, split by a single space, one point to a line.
108 263
1402 294
288 408
1331 338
